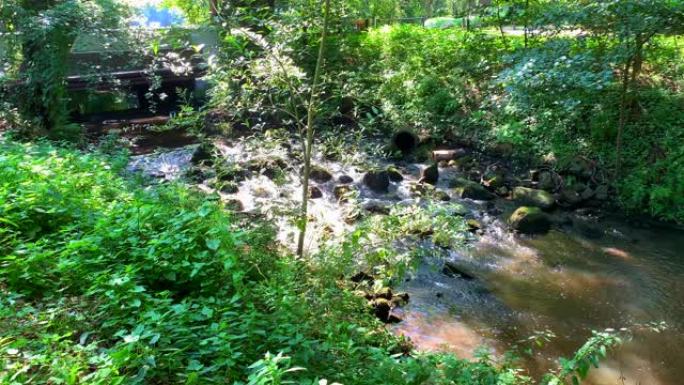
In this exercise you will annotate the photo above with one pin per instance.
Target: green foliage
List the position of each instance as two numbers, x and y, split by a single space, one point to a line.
38 53
590 354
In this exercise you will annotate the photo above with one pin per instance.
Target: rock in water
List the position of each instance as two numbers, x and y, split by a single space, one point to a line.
394 175
315 192
430 175
320 174
471 190
377 181
532 197
530 220
345 179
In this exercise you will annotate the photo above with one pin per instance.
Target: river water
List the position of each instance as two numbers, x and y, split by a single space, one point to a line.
569 282
588 273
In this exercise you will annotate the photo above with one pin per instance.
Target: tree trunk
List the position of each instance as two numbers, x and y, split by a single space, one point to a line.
527 20
311 112
500 22
623 115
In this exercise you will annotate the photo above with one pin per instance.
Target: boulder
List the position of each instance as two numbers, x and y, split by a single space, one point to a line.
546 181
394 175
320 174
442 196
378 181
471 190
473 225
315 192
399 299
530 220
533 197
345 179
429 175
581 168
569 197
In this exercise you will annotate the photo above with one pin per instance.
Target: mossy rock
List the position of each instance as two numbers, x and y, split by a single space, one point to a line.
470 190
530 220
394 174
532 197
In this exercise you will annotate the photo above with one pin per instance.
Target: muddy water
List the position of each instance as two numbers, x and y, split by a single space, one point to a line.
586 274
568 282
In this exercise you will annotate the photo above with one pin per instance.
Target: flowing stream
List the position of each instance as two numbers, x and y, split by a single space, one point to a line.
588 273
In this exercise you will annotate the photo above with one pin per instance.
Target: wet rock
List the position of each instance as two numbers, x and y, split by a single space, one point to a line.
377 207
502 191
320 174
270 167
342 192
315 192
453 271
442 196
234 205
473 225
493 180
569 197
378 181
261 192
447 155
429 175
581 168
443 164
230 172
361 276
533 197
530 220
384 292
399 299
546 181
381 308
228 187
203 154
471 190
345 179
394 175
198 174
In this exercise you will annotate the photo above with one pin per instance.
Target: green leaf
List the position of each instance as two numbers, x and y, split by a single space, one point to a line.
213 244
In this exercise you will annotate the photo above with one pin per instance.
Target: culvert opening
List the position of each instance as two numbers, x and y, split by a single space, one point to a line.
405 141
